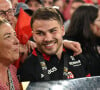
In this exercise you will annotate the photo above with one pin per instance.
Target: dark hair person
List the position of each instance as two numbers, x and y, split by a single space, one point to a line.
85 28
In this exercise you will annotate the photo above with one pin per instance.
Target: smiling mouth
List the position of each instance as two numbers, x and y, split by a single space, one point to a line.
49 46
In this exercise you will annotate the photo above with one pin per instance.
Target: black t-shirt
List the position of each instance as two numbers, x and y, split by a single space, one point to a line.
31 69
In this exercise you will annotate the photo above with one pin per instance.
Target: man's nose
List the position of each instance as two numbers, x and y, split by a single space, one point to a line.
48 37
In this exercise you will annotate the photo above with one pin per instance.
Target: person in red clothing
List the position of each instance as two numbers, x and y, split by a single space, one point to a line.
51 60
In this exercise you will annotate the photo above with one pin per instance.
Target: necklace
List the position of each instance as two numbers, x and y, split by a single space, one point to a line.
7 83
10 81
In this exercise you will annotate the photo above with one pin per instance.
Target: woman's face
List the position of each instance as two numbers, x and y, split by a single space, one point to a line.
96 25
9 44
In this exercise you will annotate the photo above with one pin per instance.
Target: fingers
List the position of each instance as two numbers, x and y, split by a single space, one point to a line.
77 48
22 48
31 45
74 46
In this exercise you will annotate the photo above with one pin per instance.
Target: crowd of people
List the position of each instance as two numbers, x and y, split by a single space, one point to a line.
42 40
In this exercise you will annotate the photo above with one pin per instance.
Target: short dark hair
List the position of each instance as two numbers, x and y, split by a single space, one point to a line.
46 13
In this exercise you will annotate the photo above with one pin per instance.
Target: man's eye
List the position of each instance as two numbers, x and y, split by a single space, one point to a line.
15 34
10 11
40 33
7 37
2 14
52 31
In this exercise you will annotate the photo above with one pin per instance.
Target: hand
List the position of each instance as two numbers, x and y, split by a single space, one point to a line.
31 45
75 46
22 49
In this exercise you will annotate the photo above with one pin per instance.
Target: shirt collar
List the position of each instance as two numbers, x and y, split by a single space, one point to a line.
46 57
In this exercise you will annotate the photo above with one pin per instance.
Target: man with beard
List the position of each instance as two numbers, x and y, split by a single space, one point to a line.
50 60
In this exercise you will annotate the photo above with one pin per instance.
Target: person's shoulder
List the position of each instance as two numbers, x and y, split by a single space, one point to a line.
68 51
79 56
29 61
30 58
82 58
